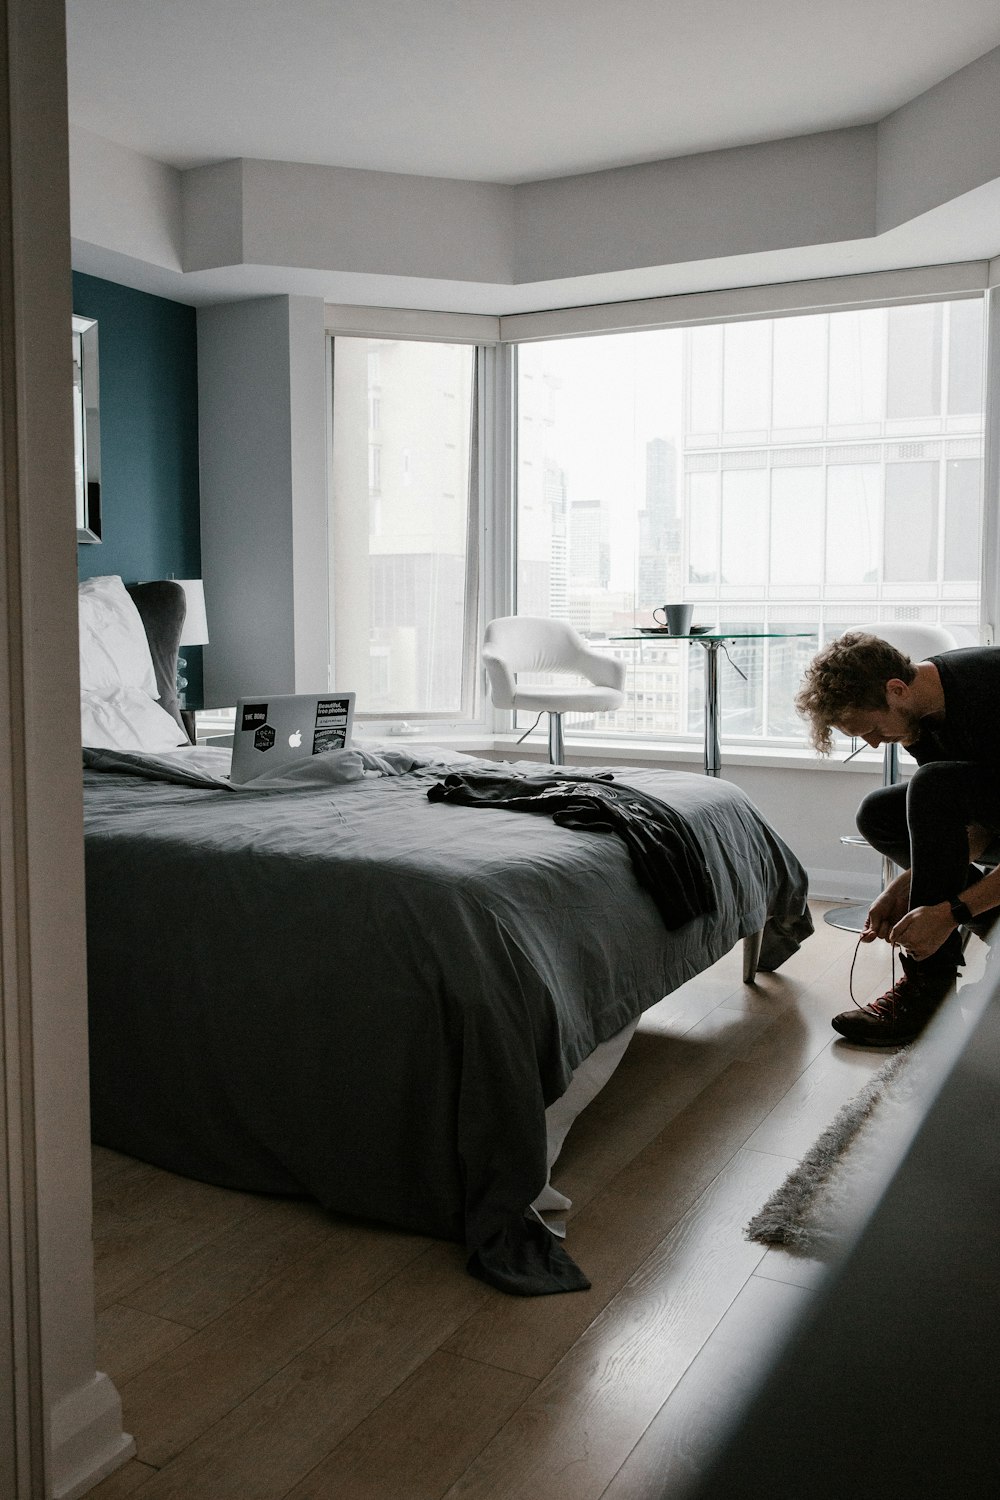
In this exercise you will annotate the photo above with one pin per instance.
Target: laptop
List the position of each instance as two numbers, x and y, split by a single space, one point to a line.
274 732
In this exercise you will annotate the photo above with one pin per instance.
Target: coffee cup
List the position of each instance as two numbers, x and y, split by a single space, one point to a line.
676 617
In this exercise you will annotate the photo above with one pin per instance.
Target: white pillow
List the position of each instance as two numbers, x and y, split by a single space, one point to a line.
127 719
114 651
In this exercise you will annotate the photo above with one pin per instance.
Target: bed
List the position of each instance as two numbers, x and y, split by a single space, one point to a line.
337 986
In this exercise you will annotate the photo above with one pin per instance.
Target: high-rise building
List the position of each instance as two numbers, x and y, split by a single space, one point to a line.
400 562
659 559
554 490
589 544
832 477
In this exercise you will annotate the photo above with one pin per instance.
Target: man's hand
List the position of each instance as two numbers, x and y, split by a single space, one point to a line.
887 909
922 931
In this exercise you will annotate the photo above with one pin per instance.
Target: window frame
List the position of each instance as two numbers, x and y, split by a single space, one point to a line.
498 340
470 717
950 289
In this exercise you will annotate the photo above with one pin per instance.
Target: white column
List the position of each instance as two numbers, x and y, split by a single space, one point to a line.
60 1419
262 439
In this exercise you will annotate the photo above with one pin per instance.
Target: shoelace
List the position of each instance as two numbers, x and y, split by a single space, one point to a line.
891 991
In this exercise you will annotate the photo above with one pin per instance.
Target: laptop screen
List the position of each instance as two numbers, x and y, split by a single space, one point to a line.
275 731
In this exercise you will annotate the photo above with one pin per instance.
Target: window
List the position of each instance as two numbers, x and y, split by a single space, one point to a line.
402 514
374 469
795 473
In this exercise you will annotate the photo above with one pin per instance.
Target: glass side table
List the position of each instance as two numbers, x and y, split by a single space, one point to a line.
711 641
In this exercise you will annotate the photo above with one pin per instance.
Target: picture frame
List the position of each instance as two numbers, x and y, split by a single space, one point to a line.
87 428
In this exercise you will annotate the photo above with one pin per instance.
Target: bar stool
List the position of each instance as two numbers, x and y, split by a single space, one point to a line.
527 643
917 642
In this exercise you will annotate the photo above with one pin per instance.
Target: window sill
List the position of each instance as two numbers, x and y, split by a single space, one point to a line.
653 753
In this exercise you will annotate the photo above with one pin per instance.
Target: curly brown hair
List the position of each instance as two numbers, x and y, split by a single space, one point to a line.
850 673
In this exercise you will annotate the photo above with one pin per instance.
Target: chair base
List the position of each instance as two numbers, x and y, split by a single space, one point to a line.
557 752
849 918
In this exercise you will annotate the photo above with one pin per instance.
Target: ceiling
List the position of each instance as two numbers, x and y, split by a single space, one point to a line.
498 94
502 91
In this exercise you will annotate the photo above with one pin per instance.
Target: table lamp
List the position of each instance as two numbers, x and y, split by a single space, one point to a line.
195 629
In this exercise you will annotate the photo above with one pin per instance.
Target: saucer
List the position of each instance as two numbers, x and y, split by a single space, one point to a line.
663 630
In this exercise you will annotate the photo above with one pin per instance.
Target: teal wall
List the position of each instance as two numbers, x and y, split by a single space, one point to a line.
147 350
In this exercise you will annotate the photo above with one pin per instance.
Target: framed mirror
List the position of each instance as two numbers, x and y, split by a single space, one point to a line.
87 429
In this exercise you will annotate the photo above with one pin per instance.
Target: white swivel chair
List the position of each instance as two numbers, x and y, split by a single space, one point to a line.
918 642
524 643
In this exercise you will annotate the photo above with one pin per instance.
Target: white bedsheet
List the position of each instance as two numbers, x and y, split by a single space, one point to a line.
586 1083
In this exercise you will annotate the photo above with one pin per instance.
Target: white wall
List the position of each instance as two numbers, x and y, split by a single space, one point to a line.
811 809
125 200
380 222
941 144
810 190
806 191
262 438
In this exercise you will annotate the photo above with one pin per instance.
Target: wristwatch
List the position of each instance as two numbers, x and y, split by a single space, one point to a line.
960 911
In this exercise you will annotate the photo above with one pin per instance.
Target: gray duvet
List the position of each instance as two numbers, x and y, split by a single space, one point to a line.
338 988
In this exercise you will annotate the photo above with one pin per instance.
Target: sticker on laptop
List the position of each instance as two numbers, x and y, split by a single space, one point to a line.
330 732
254 715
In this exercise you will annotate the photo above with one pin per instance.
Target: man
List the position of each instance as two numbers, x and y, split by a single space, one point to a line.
946 712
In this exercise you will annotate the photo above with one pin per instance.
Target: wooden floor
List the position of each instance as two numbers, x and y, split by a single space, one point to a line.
264 1349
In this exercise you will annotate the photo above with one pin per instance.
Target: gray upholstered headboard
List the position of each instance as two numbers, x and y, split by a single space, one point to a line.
162 607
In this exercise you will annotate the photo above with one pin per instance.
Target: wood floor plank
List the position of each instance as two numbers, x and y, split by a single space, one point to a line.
195 1385
780 1264
123 1482
818 1000
129 1341
623 1222
147 1220
820 949
722 984
683 1008
667 1077
805 1111
659 1076
263 1245
276 1436
824 948
423 1437
106 1164
370 1364
568 1440
672 1453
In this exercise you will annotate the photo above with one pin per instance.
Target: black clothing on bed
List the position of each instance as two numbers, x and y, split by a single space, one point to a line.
665 854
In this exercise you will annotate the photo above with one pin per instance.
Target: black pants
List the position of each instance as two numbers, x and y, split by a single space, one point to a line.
922 825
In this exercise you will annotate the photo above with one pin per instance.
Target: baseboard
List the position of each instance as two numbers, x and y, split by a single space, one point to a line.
842 885
86 1438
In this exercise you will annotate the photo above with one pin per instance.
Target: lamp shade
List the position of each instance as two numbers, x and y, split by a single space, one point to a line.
195 631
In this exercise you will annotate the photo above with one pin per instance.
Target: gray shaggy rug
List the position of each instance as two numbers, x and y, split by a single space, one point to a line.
819 1206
